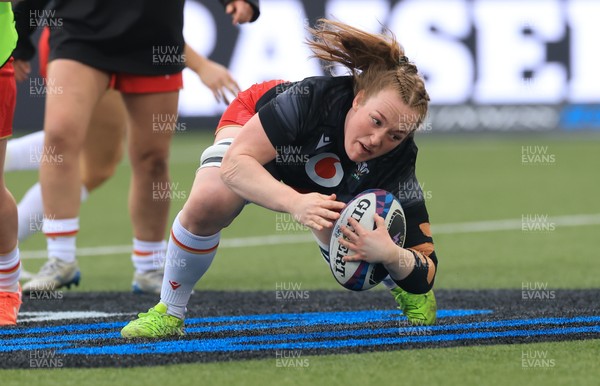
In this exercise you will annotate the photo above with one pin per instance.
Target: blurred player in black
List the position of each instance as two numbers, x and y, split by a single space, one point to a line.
137 48
346 134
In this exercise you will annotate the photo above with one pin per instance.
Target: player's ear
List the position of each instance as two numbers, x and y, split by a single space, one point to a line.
359 99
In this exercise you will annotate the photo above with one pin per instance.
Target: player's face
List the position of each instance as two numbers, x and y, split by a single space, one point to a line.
376 125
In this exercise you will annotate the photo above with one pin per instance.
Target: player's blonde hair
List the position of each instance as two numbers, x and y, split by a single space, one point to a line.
377 61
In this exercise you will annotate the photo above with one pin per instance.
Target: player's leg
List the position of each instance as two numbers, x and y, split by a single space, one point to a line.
10 264
193 244
195 234
150 188
102 151
24 153
104 144
70 102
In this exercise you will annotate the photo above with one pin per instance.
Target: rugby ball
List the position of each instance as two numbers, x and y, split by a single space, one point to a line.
360 275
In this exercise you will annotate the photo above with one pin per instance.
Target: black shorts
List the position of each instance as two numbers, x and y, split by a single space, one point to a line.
143 37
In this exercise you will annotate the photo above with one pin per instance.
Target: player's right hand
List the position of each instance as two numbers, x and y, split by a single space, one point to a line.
22 69
240 11
317 211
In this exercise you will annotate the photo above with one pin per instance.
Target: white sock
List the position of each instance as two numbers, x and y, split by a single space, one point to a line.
10 269
24 153
148 255
31 211
188 258
60 237
389 283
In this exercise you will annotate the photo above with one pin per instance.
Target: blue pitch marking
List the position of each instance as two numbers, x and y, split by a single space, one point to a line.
311 340
248 321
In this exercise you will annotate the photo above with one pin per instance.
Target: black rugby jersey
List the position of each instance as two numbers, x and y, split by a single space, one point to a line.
305 123
143 37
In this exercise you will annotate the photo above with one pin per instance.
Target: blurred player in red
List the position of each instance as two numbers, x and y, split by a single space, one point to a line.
138 47
352 133
10 264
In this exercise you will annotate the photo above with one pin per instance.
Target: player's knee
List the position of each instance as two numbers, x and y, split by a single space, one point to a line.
94 177
208 211
63 140
422 277
151 163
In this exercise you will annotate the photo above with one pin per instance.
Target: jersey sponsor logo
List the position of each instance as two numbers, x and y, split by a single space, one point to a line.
323 141
325 169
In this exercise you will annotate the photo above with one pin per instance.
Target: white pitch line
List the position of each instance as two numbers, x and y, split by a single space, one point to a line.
254 241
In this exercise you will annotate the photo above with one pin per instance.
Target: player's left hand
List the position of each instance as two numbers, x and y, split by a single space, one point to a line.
372 246
240 11
218 79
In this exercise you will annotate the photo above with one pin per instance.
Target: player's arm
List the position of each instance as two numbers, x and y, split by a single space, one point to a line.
24 10
242 11
214 76
243 171
376 246
25 50
413 267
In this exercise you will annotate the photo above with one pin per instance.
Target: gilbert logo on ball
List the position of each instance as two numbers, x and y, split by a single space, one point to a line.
360 275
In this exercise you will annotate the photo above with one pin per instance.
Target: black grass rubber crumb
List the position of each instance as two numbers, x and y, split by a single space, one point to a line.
504 304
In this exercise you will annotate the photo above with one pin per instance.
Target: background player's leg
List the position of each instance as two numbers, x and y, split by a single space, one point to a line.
24 153
70 101
105 140
10 263
149 194
9 255
102 151
69 107
149 154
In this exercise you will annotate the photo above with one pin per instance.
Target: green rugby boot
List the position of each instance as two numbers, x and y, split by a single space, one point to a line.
420 309
155 323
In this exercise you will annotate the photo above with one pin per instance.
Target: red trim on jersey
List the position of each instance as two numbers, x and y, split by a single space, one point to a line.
192 250
243 107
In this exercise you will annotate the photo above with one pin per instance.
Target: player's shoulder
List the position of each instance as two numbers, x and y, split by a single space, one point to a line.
325 84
